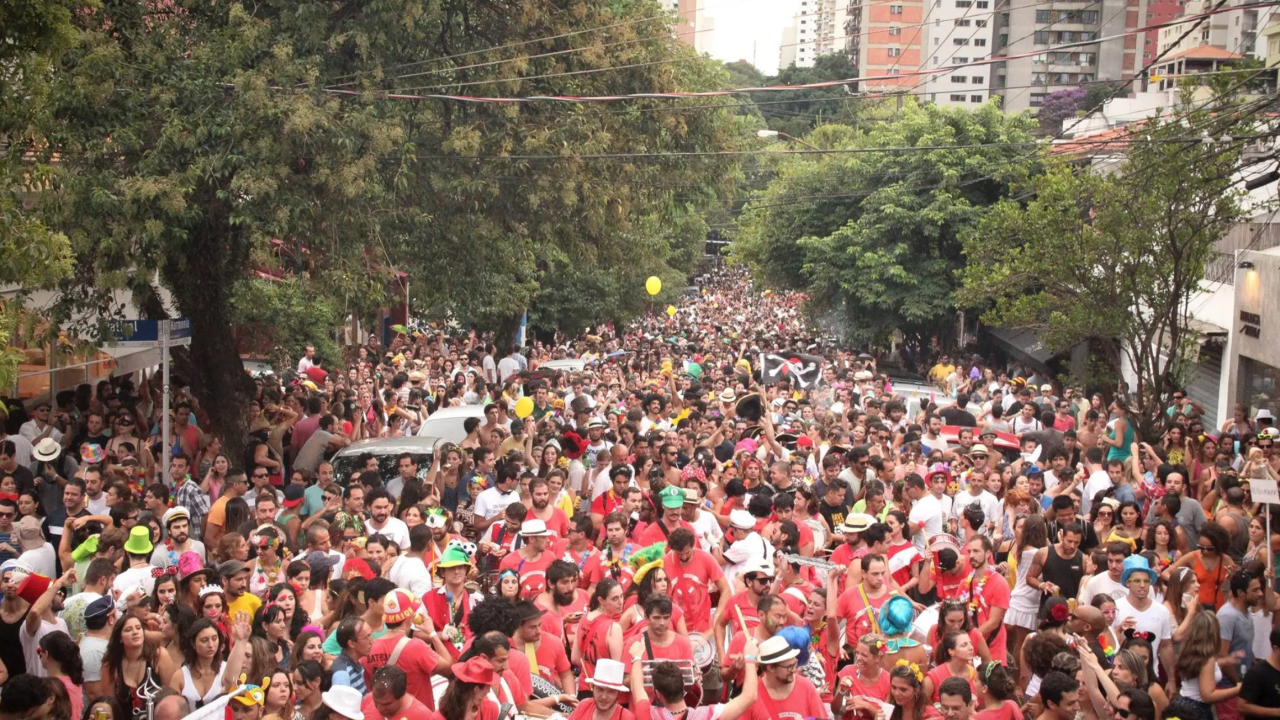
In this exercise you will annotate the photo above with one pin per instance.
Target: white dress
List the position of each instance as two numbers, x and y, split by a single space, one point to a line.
1024 600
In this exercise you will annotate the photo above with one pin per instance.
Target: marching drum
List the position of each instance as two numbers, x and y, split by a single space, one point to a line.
924 623
704 651
692 679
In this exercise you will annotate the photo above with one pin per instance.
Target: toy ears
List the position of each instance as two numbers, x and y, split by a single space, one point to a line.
266 683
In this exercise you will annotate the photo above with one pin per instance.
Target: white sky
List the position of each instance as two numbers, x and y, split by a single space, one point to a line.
740 24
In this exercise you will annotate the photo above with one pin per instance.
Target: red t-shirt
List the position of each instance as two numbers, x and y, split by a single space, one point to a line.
744 602
796 597
606 503
901 559
942 672
802 703
594 571
586 710
878 689
416 711
593 639
552 660
653 533
842 556
558 523
992 591
533 573
691 587
554 623
517 679
679 649
858 614
632 606
948 585
416 659
1007 711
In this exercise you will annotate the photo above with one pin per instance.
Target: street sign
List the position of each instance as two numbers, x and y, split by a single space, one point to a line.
1264 491
148 331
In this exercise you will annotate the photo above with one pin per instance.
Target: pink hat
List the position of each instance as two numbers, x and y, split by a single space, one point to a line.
189 563
748 445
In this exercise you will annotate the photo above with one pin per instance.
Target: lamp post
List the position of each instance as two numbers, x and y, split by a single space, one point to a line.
776 133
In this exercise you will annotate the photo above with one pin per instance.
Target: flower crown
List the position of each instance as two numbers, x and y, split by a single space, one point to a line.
914 668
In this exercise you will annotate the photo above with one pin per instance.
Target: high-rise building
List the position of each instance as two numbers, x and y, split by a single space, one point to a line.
885 39
1235 31
817 28
957 32
1158 11
1036 29
693 25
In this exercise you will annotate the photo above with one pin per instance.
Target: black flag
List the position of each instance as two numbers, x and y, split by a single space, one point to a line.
803 371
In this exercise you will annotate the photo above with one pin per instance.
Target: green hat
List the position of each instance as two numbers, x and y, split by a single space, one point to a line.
453 557
672 497
139 542
86 550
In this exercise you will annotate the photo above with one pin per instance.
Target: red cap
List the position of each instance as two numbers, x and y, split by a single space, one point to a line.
804 441
476 670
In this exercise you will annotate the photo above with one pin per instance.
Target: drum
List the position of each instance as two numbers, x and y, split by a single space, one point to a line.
704 650
924 623
692 679
544 688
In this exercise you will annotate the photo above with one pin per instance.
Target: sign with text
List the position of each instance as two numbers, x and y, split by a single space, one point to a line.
1264 491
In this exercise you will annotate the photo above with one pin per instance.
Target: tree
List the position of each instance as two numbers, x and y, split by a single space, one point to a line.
1112 256
796 112
1058 106
872 234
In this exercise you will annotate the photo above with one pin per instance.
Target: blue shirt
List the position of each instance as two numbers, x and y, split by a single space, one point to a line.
312 500
349 672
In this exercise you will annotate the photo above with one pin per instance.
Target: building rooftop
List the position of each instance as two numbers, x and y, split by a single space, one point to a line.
1204 52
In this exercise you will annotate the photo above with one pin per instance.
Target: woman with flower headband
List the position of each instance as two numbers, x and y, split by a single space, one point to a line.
906 693
270 622
268 568
863 679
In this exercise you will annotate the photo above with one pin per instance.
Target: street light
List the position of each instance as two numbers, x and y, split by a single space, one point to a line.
775 133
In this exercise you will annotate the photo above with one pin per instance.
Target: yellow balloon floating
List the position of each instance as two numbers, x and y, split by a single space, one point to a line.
653 285
524 407
671 310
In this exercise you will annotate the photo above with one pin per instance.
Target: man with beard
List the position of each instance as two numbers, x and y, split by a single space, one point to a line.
668 459
595 436
563 600
577 548
449 605
672 499
784 692
177 522
669 690
380 504
553 517
773 615
530 562
1147 615
1058 568
611 561
43 618
757 578
606 685
693 572
987 590
547 649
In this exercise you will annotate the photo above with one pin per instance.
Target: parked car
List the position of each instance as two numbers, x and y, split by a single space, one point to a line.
447 422
386 450
569 365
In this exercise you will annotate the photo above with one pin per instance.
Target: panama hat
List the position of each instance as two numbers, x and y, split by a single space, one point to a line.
344 700
775 650
46 450
609 674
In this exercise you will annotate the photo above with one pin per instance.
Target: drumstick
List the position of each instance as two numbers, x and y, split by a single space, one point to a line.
737 609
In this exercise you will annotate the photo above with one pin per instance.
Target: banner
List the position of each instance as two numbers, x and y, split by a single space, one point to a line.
803 371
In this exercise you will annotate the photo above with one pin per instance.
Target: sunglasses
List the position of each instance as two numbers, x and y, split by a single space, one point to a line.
1121 712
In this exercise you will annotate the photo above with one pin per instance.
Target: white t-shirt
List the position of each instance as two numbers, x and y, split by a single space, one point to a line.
1102 584
42 560
938 443
493 501
750 549
91 651
395 530
411 574
1096 483
987 502
929 511
1156 620
490 369
31 432
507 367
99 506
133 578
707 530
31 642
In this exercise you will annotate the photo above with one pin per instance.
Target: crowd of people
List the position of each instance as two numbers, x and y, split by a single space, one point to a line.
660 535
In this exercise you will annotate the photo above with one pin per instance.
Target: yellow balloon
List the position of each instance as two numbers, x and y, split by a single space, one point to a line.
671 310
653 285
524 407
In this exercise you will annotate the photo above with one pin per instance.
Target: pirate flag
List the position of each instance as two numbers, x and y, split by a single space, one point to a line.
803 371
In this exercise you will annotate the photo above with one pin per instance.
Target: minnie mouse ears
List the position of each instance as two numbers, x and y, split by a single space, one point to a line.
1133 634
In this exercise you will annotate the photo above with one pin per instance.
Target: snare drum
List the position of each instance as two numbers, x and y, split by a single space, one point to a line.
704 650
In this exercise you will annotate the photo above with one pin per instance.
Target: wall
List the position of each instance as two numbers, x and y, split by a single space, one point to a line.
1257 291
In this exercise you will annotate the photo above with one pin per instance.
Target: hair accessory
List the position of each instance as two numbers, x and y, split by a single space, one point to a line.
210 589
1133 634
313 628
157 573
986 670
1060 613
914 668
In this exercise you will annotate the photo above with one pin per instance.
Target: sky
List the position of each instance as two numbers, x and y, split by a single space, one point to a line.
740 24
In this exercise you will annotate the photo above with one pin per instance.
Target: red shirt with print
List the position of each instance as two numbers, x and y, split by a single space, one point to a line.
802 703
691 587
533 573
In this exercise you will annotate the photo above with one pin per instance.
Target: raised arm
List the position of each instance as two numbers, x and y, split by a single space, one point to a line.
736 707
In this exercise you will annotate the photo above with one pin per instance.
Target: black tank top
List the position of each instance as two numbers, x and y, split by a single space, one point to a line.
11 647
1063 572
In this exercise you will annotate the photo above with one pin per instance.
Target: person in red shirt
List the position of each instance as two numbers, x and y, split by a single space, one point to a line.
773 617
693 572
987 593
650 580
418 661
659 638
793 589
578 548
547 649
389 698
599 635
554 518
904 558
472 683
942 570
853 547
611 561
563 600
860 604
863 682
784 509
672 499
785 694
531 561
612 499
606 685
449 605
669 691
758 578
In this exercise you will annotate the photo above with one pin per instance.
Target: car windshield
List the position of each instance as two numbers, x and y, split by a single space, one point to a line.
345 464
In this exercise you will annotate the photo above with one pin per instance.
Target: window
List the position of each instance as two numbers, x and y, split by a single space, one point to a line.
1037 99
976 80
982 4
935 61
975 98
895 71
960 41
895 52
964 3
936 41
957 98
957 79
980 23
895 31
980 42
895 9
1088 59
1041 38
1041 58
1000 81
959 60
963 23
1037 78
1042 16
1089 17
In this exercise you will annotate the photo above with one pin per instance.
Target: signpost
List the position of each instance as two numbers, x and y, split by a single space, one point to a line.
162 334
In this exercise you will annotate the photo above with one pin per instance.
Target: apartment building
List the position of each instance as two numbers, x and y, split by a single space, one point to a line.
1235 31
886 39
1040 29
693 25
955 33
817 28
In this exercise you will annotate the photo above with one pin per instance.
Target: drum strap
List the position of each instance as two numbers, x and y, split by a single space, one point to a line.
871 612
648 646
400 646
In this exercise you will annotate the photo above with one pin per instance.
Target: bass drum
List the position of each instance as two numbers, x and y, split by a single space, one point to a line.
924 624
